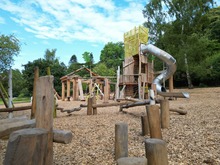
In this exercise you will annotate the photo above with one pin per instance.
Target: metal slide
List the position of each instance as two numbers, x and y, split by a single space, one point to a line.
171 68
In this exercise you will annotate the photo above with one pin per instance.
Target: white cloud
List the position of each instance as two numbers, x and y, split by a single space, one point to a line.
2 20
69 20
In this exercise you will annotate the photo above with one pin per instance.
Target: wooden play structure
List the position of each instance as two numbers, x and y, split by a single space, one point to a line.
72 86
138 71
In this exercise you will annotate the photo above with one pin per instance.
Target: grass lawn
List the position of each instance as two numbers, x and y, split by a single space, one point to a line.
18 100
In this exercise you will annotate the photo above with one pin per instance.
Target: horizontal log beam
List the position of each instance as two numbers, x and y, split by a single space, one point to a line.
15 109
59 136
109 104
181 112
174 94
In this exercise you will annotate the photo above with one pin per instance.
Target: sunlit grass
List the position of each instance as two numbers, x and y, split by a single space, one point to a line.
18 100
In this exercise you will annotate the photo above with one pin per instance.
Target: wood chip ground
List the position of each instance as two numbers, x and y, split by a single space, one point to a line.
192 139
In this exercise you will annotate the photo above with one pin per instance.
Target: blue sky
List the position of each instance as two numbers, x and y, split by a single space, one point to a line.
70 26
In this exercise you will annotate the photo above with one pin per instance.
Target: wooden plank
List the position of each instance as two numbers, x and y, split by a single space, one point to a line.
26 146
44 111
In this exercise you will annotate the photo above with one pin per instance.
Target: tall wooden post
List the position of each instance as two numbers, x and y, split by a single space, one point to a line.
68 88
44 112
121 140
63 91
154 121
156 152
36 76
171 84
95 108
117 84
106 91
164 113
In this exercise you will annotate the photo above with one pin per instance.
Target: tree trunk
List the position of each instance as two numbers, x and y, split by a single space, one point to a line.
190 85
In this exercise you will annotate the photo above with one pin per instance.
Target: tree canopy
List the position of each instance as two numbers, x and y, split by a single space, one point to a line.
181 28
112 55
9 47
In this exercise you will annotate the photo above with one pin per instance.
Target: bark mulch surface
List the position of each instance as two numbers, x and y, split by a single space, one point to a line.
192 139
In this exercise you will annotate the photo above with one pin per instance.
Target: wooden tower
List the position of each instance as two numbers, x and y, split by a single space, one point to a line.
137 69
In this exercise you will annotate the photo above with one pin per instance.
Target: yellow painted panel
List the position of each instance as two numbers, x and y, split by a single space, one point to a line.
133 38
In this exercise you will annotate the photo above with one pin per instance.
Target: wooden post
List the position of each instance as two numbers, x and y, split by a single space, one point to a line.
154 121
121 140
95 108
68 88
36 76
89 106
145 125
77 89
117 84
164 113
44 112
106 91
80 90
63 91
156 152
171 84
90 86
48 71
154 87
27 146
10 95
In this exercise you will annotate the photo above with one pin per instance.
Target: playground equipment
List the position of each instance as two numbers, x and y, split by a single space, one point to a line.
97 85
35 145
138 71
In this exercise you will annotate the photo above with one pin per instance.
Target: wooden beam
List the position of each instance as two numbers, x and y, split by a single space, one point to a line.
16 109
7 126
181 112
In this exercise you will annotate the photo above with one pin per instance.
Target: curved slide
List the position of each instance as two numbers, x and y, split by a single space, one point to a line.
171 68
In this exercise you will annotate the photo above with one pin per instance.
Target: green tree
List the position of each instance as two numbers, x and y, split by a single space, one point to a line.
88 58
73 59
73 64
102 70
58 69
50 55
9 47
112 55
177 33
